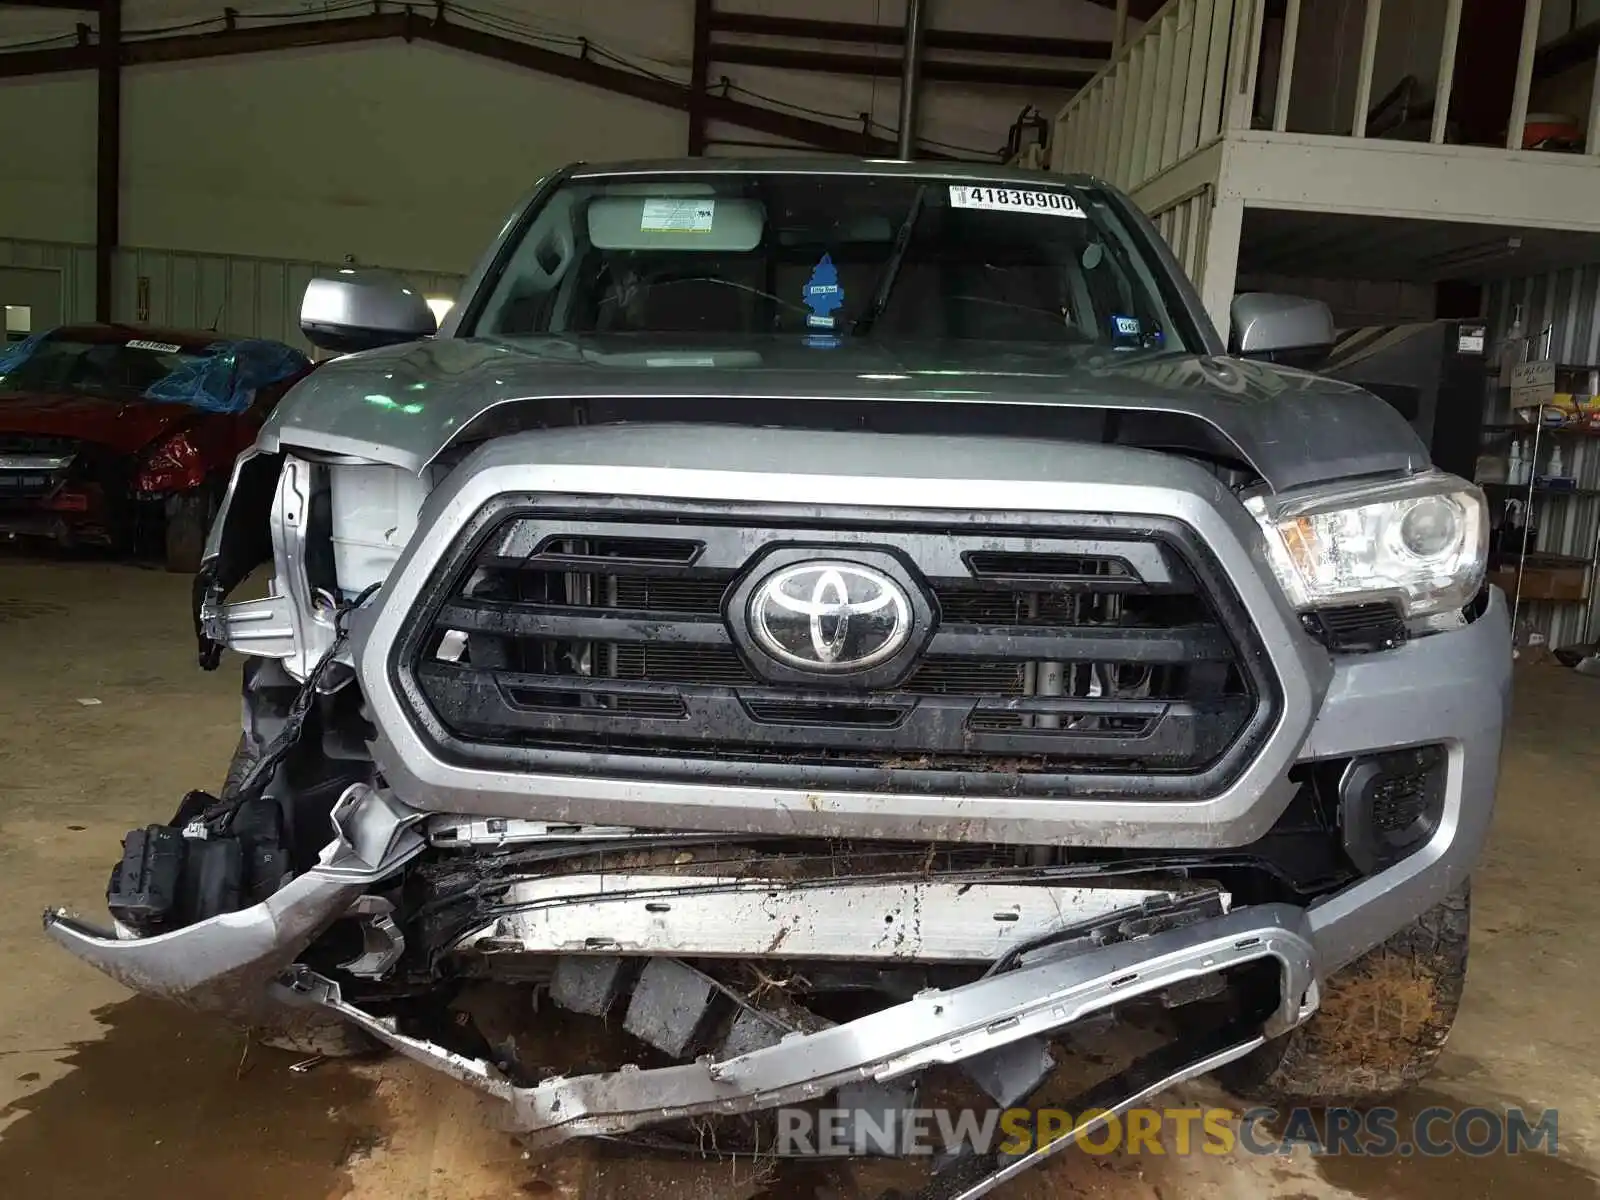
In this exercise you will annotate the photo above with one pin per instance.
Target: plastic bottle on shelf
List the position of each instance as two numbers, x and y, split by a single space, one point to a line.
1555 464
1514 465
1513 348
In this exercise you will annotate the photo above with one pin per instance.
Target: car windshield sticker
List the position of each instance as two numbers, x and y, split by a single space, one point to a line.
686 215
823 295
1126 326
158 347
999 199
681 360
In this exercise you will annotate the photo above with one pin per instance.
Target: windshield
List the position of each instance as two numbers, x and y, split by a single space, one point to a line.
829 256
102 368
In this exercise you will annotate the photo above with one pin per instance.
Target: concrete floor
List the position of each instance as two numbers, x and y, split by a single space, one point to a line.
105 721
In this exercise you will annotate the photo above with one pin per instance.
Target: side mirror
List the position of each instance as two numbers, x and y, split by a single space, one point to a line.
360 310
1281 328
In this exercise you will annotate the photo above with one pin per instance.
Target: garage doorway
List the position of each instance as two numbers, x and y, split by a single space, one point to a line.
31 297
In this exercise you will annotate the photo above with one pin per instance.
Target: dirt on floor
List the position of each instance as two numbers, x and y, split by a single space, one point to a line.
105 721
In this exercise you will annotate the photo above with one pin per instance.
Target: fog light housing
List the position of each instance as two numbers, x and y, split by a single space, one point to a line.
1390 804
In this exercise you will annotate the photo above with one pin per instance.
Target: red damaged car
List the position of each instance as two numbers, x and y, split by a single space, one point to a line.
125 436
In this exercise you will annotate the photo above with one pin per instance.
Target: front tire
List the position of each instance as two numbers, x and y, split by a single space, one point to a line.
1382 1023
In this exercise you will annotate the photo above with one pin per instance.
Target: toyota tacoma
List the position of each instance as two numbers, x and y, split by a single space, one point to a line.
852 626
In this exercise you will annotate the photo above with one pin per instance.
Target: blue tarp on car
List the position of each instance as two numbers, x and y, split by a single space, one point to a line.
17 353
226 376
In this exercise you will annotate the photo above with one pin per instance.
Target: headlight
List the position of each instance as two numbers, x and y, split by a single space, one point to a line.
1423 541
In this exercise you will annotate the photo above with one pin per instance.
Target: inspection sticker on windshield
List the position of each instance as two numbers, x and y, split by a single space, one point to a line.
688 215
158 347
1056 204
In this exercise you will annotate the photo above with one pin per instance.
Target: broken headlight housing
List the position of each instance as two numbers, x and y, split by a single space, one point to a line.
1422 542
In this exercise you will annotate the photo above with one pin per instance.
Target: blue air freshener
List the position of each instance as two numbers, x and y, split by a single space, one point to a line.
823 295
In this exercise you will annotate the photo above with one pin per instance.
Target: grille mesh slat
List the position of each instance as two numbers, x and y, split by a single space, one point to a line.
37 443
711 665
700 596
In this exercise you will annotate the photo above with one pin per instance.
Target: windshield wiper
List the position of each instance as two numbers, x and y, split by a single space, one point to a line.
891 269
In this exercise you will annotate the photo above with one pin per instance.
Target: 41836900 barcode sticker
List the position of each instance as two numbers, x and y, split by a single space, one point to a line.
999 199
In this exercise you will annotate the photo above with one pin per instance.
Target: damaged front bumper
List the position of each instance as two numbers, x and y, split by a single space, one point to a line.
243 964
935 1027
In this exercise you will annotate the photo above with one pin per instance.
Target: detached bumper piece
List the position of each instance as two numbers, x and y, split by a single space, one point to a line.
228 963
1041 995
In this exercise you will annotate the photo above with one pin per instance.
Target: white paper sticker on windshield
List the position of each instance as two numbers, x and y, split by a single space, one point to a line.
687 215
158 347
681 360
999 199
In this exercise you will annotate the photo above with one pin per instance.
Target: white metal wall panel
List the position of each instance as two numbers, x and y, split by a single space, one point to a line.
1567 305
76 264
247 297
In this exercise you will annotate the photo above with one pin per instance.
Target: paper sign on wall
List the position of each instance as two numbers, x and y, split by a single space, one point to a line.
1533 383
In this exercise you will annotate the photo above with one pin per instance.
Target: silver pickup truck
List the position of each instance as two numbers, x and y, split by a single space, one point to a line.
852 625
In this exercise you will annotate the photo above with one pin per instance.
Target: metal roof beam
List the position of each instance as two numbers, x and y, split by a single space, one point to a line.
347 30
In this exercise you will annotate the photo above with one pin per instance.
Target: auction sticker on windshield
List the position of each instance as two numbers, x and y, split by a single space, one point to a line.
996 199
678 216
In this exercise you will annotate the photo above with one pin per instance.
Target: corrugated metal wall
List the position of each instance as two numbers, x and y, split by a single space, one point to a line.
1568 304
256 297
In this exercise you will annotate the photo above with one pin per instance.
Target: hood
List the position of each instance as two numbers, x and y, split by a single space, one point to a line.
406 404
123 425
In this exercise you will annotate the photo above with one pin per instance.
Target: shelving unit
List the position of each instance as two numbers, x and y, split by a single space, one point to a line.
1550 570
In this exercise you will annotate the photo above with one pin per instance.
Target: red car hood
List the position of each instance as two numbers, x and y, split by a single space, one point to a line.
124 425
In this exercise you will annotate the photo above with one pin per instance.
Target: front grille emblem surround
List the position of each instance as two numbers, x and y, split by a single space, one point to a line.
829 615
809 615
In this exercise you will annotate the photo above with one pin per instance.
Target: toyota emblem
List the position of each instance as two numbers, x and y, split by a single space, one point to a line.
830 616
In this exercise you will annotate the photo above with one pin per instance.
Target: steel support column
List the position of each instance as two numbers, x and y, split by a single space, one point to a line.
910 81
108 154
699 77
